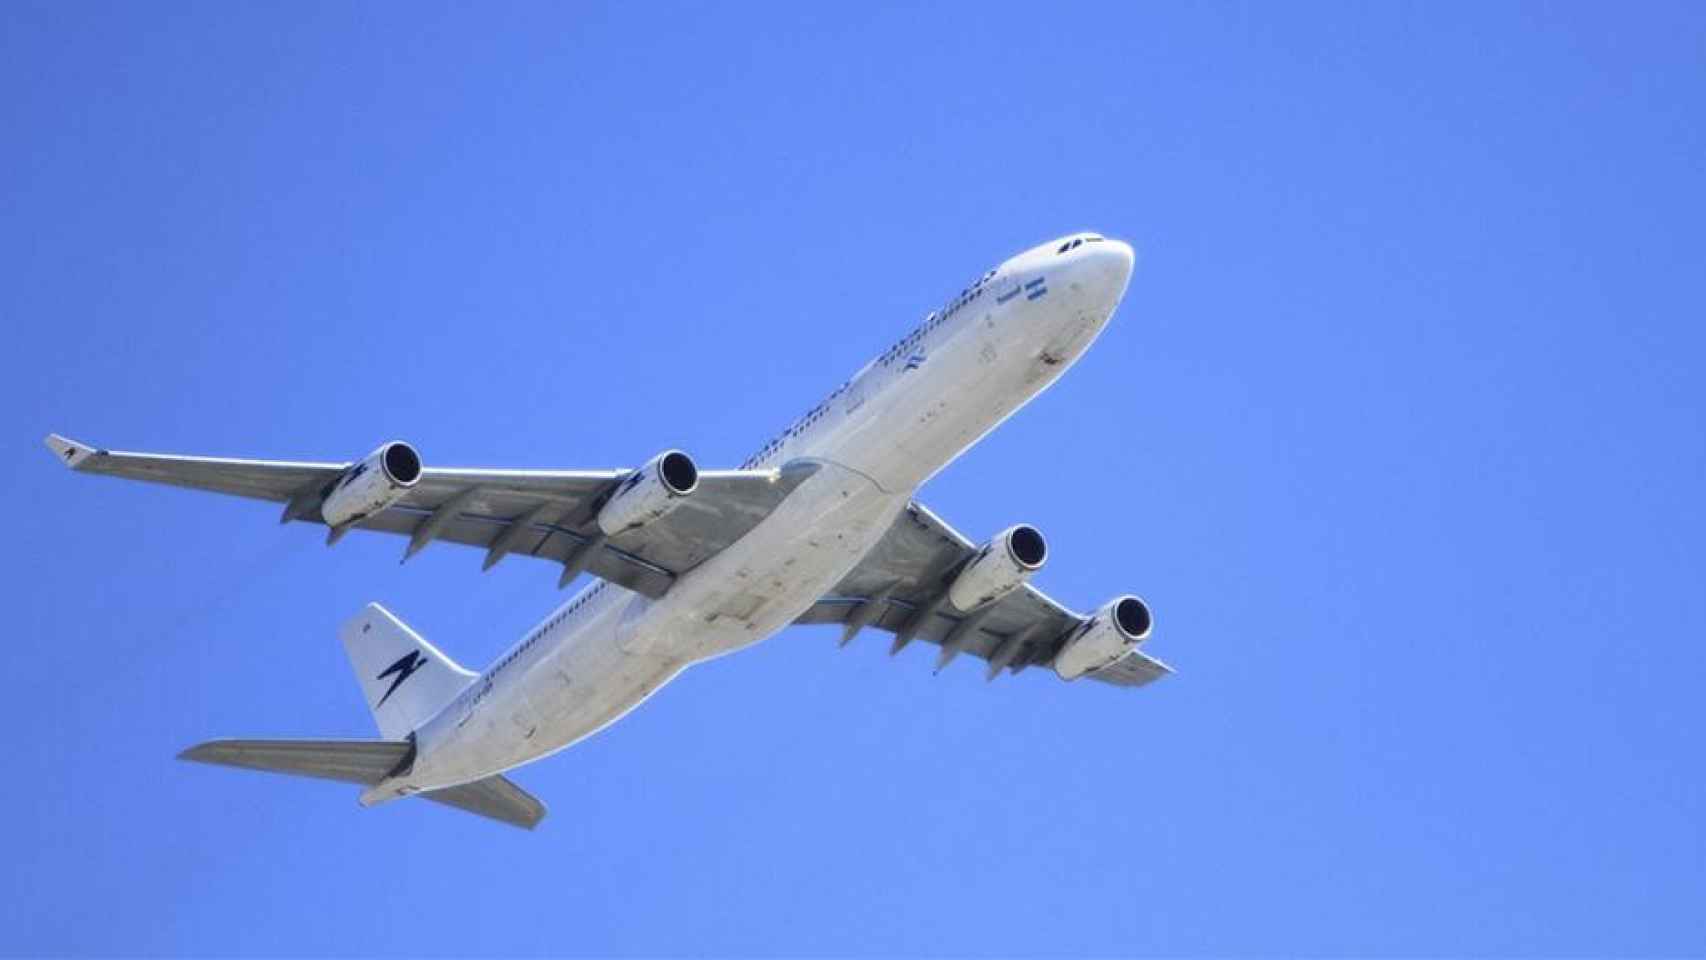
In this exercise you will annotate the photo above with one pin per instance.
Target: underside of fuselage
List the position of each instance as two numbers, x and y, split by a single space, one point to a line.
879 436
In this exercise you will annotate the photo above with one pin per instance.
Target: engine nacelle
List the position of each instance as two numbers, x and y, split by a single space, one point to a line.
1112 632
371 485
649 492
1005 562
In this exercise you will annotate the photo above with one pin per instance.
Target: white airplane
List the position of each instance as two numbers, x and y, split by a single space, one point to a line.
818 526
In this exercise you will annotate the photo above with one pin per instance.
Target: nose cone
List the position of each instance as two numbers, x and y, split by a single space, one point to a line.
1110 262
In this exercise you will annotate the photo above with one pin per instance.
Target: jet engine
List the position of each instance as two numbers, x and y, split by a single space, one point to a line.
371 485
1000 566
649 492
1110 634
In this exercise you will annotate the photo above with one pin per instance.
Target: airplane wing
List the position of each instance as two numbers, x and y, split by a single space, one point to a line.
899 586
540 513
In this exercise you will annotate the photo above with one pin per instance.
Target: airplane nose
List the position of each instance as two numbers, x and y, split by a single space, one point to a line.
1110 264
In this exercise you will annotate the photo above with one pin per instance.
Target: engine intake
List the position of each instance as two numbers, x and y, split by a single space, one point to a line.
1000 567
372 484
1120 625
649 492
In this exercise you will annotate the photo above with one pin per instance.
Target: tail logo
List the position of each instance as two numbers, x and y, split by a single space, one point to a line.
405 665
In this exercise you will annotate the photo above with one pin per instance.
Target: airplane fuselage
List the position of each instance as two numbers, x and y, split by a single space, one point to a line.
874 440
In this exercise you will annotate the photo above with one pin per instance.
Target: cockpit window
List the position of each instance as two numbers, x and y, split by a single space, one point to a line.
1077 242
1072 244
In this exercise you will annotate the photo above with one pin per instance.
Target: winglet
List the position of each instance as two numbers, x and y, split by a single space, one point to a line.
70 452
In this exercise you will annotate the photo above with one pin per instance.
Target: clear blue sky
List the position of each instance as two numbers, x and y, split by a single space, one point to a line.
1400 431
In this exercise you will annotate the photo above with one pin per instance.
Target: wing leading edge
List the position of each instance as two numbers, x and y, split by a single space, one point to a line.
899 586
548 514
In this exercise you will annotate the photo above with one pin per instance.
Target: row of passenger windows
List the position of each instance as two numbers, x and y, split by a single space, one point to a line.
799 426
559 618
930 323
936 318
906 342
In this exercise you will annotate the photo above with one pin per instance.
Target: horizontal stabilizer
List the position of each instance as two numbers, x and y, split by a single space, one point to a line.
365 762
495 797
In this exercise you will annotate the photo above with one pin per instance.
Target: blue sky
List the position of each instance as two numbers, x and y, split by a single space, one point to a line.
1399 430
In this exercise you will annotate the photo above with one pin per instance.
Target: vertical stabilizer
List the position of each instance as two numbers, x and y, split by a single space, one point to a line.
404 678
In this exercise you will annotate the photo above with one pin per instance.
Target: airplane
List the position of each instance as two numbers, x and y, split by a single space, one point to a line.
819 526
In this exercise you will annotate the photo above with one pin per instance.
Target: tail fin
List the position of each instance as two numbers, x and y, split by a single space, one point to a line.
367 762
404 679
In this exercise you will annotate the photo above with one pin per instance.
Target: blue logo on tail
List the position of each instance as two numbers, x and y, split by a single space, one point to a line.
407 664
